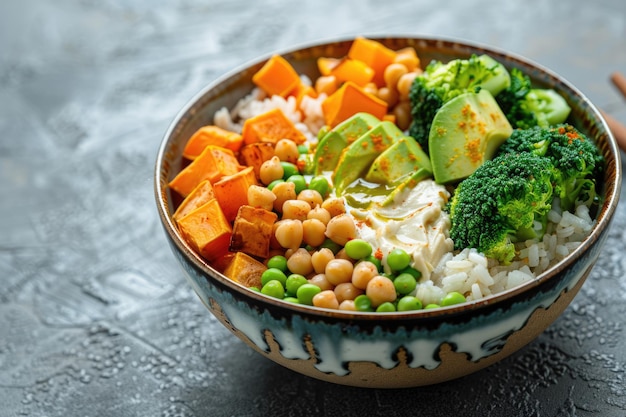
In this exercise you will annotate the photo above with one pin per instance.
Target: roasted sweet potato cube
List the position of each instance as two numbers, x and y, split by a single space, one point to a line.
255 154
252 231
232 191
244 269
211 135
198 196
206 230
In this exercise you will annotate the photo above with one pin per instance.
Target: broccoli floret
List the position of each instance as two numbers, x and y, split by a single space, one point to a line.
576 158
527 107
504 201
440 82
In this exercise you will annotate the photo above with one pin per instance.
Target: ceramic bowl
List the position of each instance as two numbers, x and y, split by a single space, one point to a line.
386 350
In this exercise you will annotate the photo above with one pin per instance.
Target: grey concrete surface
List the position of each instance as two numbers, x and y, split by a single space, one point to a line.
96 318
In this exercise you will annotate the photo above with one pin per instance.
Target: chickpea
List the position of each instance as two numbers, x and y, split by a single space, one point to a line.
380 290
338 271
326 299
300 262
321 258
313 232
392 74
363 272
289 233
261 197
321 281
335 206
287 150
402 111
271 170
341 229
388 95
371 88
283 191
295 209
313 197
320 214
347 291
347 305
404 85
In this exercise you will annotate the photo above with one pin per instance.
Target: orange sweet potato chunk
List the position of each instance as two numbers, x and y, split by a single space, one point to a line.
212 164
252 231
326 64
348 100
277 76
211 135
232 191
244 269
353 70
270 126
198 196
206 230
255 154
374 54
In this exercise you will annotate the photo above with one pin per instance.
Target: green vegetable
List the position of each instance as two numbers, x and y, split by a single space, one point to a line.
293 282
306 292
398 259
289 169
576 158
363 303
278 262
299 181
452 298
408 303
441 82
358 249
272 184
273 274
273 288
505 200
386 307
404 283
466 131
320 184
527 107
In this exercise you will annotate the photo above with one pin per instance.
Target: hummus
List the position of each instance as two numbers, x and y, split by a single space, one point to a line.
414 221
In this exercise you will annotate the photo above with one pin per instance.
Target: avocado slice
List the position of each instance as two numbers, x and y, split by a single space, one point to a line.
362 152
398 162
466 132
332 144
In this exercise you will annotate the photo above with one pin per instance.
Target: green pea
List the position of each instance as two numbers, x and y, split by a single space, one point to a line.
452 298
278 262
431 306
274 288
405 283
255 289
375 261
320 184
273 274
291 300
398 259
408 303
358 249
363 303
306 292
410 270
289 169
298 181
272 184
386 307
331 245
303 149
294 281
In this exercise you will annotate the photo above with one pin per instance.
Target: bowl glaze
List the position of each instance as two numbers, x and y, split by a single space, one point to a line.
386 350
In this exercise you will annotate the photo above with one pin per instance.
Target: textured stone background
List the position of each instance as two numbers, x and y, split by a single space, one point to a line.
95 315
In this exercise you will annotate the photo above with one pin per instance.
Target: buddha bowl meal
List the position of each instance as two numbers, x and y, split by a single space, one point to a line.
375 207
